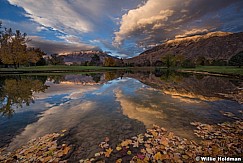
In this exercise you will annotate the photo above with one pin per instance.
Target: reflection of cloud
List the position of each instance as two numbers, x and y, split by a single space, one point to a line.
134 110
189 97
64 116
53 120
63 88
186 99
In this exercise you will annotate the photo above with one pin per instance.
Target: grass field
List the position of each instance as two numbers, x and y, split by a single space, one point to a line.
62 68
59 68
217 69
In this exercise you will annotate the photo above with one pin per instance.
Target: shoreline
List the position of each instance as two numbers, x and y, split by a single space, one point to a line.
217 74
207 70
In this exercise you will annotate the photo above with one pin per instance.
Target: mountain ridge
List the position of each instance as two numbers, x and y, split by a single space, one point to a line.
212 46
85 56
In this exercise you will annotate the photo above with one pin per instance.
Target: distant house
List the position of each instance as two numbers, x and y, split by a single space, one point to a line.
68 63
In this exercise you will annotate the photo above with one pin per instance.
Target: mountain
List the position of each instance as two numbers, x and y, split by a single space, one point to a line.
212 46
84 57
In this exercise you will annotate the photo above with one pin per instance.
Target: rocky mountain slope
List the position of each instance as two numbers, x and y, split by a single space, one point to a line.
84 56
212 46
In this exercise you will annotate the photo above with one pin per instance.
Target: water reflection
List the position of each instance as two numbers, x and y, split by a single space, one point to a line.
118 104
186 87
18 91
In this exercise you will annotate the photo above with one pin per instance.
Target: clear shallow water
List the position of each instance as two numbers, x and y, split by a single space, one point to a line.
118 105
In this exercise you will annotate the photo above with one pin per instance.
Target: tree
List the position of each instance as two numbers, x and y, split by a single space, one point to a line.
168 60
13 47
109 62
33 55
95 60
119 62
237 60
56 59
179 59
201 60
188 64
14 51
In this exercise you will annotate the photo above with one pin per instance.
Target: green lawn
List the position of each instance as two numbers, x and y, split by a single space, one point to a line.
63 68
217 69
59 68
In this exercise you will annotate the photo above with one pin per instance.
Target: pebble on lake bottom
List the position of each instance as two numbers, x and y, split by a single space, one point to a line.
156 145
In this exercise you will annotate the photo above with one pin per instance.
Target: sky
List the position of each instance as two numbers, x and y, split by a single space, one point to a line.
123 27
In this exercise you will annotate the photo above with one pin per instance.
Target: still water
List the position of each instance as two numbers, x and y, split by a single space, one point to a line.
114 104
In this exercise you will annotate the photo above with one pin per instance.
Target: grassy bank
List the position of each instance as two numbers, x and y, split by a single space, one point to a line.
57 68
231 70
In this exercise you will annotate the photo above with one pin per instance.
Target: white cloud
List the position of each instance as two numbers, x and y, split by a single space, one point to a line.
192 32
25 27
71 39
138 23
73 16
158 20
59 14
154 13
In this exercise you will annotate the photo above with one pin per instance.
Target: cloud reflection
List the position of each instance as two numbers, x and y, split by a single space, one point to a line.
137 111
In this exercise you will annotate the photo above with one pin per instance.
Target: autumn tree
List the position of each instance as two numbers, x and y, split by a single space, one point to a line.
33 55
179 59
171 60
168 60
109 62
14 51
13 47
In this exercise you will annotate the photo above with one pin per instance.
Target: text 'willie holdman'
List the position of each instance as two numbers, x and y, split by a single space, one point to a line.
221 159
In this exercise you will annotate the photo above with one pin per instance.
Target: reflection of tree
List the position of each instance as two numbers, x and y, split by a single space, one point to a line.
18 92
203 87
168 75
96 77
110 76
56 79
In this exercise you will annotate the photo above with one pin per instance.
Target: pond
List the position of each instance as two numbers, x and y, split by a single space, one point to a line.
112 104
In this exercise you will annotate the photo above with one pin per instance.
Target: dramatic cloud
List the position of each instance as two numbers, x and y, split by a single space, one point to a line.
125 27
57 14
159 20
51 47
73 16
153 14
